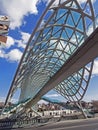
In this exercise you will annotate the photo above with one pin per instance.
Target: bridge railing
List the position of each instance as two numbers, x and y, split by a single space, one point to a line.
16 123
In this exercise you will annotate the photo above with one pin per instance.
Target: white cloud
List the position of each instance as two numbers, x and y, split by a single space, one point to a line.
16 10
91 29
10 42
24 39
2 99
14 100
42 23
95 68
2 53
42 101
52 95
90 97
56 2
25 36
14 55
83 1
20 43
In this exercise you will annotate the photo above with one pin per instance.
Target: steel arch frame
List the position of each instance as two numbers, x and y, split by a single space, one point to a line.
46 52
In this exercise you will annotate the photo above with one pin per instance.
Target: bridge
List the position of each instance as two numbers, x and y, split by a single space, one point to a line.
59 54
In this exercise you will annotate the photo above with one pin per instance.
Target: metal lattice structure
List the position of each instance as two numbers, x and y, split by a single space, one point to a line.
61 30
75 86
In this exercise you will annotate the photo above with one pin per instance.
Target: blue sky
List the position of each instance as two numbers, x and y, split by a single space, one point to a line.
22 24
